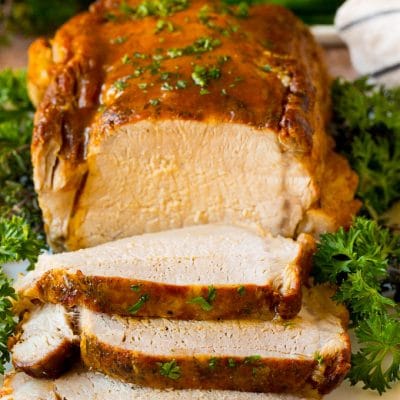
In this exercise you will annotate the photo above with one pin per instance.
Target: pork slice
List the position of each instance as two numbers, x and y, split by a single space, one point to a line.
45 344
251 275
310 352
81 384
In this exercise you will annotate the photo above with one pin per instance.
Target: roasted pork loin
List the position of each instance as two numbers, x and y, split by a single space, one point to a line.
211 117
308 354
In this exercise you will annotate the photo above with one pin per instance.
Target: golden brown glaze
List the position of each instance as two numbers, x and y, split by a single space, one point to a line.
276 375
89 60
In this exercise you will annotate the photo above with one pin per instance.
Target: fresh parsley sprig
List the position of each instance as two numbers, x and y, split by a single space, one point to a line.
357 261
21 234
367 129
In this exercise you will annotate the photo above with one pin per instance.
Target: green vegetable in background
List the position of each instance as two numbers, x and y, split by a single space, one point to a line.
38 17
311 11
367 130
21 230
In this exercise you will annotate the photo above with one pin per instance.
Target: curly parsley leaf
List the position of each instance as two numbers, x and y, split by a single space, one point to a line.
17 196
18 242
357 261
7 319
377 364
206 304
170 370
21 234
367 129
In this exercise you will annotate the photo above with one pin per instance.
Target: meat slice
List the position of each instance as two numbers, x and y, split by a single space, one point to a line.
201 272
221 119
46 343
80 384
311 352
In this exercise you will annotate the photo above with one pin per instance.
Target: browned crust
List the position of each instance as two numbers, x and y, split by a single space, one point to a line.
114 295
53 364
264 375
336 367
295 109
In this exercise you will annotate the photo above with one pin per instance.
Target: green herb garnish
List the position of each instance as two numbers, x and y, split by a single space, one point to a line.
231 363
157 8
143 299
367 130
170 370
252 359
212 363
205 304
118 40
162 24
241 290
154 102
357 261
201 45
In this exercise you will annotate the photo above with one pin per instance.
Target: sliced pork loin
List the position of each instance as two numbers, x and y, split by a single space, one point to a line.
309 353
80 384
240 273
46 343
127 142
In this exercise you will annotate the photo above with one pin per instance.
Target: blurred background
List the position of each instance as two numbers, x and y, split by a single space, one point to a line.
22 20
40 17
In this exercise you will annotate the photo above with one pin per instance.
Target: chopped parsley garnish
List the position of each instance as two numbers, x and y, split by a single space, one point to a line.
252 359
154 102
231 363
318 358
170 370
201 45
181 84
206 304
212 363
126 59
121 84
136 288
157 8
143 85
162 25
118 40
167 86
241 290
144 298
266 68
139 55
202 75
138 72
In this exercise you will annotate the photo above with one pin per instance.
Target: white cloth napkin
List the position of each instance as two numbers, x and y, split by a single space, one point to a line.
371 30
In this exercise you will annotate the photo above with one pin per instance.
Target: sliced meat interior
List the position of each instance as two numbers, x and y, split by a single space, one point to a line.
81 384
46 343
